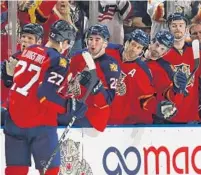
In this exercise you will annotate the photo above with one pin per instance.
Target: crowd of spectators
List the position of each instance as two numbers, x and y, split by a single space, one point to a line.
121 16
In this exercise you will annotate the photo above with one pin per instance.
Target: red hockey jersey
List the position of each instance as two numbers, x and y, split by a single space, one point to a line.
136 102
33 99
188 108
108 72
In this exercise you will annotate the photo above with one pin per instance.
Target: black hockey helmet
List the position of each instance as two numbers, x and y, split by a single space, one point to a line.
164 37
140 37
176 16
98 29
33 28
61 30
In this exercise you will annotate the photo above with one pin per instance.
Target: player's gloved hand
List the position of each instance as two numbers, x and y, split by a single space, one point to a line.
166 110
10 66
85 80
179 82
8 80
76 108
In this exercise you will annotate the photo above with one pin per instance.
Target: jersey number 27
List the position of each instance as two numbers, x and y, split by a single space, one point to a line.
30 67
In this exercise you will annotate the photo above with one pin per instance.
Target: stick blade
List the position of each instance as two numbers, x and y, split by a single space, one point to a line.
196 49
89 60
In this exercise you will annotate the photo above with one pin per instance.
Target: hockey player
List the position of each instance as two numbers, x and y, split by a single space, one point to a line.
31 125
30 34
181 57
136 95
108 72
162 71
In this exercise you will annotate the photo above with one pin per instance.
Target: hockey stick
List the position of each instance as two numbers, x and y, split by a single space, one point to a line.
92 69
196 56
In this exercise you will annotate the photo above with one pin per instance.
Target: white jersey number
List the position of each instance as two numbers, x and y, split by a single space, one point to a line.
113 83
55 78
24 90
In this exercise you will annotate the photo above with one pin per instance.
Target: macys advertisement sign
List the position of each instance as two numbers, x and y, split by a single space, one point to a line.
128 151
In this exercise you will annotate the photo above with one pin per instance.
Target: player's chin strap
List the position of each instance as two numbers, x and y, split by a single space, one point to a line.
186 34
92 69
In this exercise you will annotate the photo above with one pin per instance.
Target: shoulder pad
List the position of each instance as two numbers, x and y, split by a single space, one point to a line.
114 46
166 66
189 44
54 55
146 69
78 52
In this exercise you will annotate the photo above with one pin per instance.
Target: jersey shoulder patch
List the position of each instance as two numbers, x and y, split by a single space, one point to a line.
110 64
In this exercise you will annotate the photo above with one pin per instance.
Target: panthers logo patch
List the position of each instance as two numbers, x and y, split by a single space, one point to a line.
185 68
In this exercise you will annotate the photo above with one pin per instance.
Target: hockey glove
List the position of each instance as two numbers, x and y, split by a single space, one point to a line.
180 82
7 79
76 108
166 110
85 80
10 66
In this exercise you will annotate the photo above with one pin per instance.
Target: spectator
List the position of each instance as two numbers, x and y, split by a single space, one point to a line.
196 11
61 10
34 11
195 31
79 19
139 18
160 10
112 14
